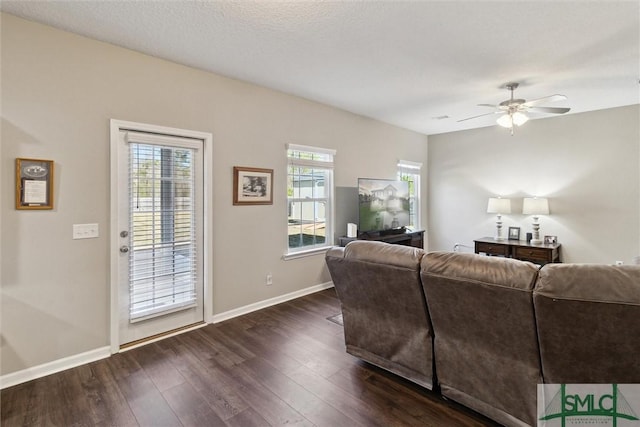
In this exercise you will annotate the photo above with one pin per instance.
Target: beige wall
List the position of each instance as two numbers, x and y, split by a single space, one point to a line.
59 91
588 165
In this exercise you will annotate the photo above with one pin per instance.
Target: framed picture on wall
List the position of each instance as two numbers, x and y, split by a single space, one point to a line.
34 184
514 233
252 186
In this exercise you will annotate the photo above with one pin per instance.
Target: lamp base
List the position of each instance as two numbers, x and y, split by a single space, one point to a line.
499 238
535 241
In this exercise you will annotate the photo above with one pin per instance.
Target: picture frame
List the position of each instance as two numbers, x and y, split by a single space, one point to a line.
514 233
252 186
34 184
550 240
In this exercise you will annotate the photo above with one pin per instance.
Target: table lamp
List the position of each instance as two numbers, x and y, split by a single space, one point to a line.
499 206
535 206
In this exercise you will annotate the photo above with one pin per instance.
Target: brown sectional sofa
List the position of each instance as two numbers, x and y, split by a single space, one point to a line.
487 330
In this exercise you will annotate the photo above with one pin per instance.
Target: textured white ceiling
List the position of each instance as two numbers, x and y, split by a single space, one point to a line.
405 63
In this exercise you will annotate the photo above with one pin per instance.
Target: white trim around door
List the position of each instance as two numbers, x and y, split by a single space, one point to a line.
116 126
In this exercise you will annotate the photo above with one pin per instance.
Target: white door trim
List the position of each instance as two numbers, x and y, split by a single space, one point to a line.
115 127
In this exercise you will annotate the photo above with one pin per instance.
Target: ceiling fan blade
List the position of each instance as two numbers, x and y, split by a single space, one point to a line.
488 105
554 110
551 98
485 114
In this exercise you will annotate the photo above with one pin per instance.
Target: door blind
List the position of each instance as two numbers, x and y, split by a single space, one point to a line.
162 217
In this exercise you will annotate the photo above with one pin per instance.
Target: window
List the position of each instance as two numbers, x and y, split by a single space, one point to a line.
410 172
309 198
163 217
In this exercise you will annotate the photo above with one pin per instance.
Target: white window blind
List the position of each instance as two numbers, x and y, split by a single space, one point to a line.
163 216
410 171
309 197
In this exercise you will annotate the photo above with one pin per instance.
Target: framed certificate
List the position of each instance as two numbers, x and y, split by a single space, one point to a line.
34 184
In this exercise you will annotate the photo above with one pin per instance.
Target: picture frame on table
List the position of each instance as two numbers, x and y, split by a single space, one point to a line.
514 233
252 186
550 240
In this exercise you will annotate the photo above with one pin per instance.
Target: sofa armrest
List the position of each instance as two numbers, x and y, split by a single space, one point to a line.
335 252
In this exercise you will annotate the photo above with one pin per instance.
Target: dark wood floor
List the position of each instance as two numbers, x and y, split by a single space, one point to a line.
282 365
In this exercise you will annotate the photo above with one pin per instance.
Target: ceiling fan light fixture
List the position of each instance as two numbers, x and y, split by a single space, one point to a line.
506 121
512 111
511 119
519 118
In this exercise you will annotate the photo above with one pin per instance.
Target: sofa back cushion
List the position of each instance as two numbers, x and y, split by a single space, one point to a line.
486 349
383 306
588 320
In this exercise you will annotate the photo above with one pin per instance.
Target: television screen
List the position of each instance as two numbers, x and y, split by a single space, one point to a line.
383 204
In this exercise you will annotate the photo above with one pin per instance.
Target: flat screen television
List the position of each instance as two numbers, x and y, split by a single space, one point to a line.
383 204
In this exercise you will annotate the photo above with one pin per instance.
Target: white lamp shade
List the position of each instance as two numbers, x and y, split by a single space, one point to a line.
499 205
506 121
519 118
535 206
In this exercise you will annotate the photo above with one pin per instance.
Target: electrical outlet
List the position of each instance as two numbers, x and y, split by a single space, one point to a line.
619 263
269 279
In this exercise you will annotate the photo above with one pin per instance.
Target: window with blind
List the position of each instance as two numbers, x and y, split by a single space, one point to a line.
163 217
309 198
410 172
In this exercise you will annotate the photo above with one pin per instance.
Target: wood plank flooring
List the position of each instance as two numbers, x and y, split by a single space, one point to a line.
282 365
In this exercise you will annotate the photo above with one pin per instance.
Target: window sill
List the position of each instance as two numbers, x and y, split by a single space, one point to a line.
305 253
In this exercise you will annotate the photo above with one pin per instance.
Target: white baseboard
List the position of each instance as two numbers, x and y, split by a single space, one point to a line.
269 302
49 368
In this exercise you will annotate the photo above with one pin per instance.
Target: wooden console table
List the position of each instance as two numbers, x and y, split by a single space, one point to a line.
408 238
540 254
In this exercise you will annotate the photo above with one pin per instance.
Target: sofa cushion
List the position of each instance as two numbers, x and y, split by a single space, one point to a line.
384 311
486 349
588 320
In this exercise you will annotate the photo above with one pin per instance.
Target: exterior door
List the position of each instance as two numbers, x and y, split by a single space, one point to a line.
159 233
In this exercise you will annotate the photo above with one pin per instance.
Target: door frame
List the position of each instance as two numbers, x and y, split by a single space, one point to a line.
207 156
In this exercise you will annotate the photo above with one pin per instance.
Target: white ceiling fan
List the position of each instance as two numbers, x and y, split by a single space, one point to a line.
513 110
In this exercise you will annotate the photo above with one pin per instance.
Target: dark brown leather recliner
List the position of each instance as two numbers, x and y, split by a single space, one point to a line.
588 319
486 348
384 311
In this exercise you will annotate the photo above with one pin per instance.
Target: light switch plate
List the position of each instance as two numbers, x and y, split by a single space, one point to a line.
85 231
